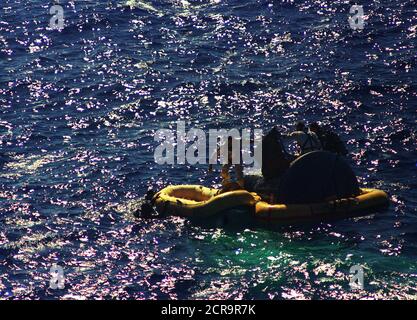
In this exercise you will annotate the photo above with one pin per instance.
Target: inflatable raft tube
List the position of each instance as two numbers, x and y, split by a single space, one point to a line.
366 201
199 201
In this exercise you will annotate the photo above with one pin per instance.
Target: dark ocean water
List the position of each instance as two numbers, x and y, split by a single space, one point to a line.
79 108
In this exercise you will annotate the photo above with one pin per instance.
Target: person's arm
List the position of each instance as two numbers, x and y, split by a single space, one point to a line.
287 136
293 136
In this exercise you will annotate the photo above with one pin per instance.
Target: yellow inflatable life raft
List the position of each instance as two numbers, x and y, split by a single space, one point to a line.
199 201
368 199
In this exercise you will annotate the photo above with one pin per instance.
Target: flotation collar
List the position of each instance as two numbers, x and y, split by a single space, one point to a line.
199 201
368 199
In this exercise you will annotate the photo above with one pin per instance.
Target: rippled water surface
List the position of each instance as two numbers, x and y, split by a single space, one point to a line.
79 107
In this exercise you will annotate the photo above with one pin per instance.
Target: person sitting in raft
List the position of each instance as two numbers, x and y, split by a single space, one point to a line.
329 140
275 163
275 159
306 140
227 182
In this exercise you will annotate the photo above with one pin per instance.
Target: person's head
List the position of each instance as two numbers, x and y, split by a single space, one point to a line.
272 136
274 132
315 127
300 126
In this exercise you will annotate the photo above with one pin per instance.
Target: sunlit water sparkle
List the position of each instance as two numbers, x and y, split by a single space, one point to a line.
78 109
